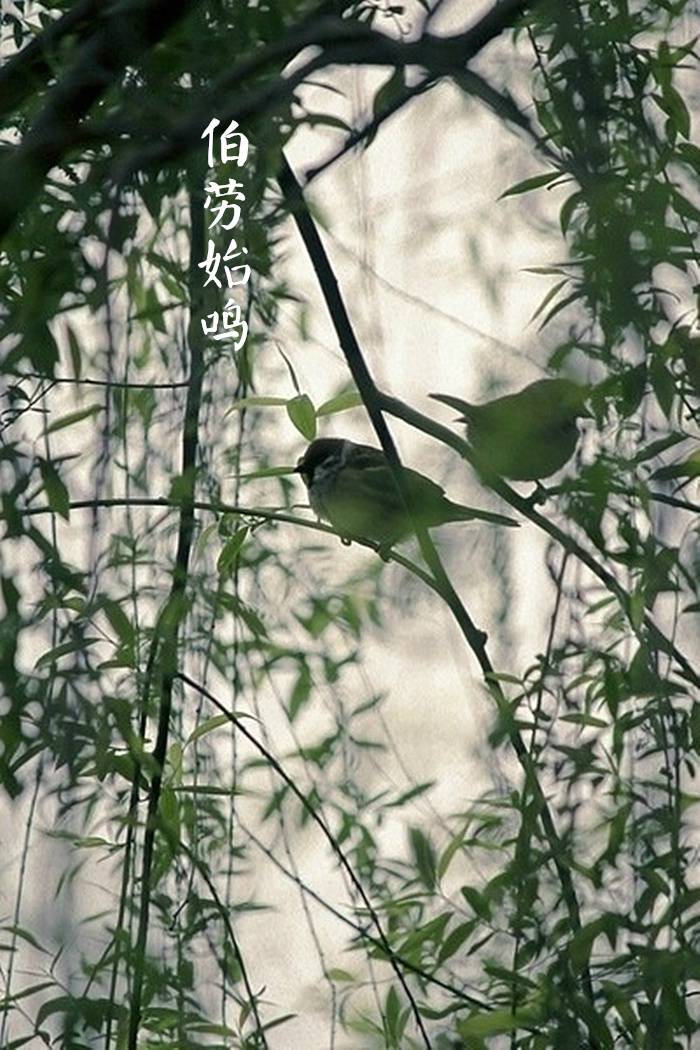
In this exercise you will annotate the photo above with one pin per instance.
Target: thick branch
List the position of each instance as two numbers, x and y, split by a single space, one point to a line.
123 40
30 68
120 41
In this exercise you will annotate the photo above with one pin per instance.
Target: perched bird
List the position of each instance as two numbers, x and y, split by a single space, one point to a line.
525 436
353 487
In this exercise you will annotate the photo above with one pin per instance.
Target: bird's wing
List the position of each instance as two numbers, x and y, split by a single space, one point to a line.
429 499
372 478
365 457
374 470
370 475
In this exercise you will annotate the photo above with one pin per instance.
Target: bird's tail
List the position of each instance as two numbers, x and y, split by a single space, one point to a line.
464 407
460 513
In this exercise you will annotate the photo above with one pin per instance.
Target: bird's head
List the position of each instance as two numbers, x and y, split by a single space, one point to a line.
323 456
571 397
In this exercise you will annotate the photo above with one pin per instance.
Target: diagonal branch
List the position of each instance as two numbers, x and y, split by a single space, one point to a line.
474 637
342 42
397 408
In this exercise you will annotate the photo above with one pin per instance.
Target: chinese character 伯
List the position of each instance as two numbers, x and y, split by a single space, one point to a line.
233 145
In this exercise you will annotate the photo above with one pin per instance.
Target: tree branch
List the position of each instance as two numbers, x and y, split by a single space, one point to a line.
327 834
122 39
397 408
30 67
166 636
474 637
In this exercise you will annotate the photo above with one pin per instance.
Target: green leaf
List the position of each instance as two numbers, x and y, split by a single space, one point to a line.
340 403
392 1018
390 91
300 691
76 356
228 556
531 184
302 413
56 491
548 298
52 655
560 306
568 208
674 105
685 207
664 386
418 789
25 935
657 447
119 621
327 120
689 153
40 347
497 1022
454 941
248 615
207 726
255 402
424 857
583 940
337 974
616 833
585 720
478 901
73 417
688 468
449 853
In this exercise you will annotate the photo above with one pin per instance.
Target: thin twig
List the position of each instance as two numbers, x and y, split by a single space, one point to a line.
167 634
328 835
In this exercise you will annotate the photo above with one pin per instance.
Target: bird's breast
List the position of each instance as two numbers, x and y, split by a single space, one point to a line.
321 489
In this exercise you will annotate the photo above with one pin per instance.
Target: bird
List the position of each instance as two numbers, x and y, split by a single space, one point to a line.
527 436
353 487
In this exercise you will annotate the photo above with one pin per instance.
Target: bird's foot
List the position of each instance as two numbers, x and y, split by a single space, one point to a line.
346 541
384 551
